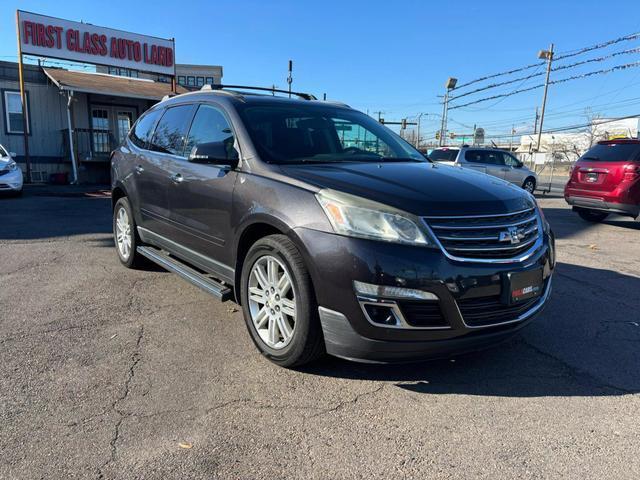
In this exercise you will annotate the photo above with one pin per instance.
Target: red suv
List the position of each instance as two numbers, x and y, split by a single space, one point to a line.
606 180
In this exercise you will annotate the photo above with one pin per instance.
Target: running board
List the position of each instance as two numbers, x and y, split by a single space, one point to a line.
198 279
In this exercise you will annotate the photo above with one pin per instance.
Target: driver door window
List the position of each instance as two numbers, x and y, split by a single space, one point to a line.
209 125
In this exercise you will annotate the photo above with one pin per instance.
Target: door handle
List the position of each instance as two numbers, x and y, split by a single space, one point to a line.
177 178
139 169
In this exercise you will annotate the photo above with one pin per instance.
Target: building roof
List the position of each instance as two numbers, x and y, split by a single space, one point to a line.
112 85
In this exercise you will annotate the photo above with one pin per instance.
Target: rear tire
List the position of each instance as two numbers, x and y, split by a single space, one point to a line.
529 184
592 216
125 235
279 303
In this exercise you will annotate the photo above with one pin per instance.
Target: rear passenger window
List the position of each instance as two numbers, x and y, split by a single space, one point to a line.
209 125
171 130
474 156
143 130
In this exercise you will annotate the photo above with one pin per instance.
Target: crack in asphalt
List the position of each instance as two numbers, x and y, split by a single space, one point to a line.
346 403
579 375
135 359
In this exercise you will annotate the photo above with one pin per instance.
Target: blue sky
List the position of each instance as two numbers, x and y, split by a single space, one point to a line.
382 55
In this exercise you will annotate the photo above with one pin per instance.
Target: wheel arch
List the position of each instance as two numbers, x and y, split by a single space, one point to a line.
253 231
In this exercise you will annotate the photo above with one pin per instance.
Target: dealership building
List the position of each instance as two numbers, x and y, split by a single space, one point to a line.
74 119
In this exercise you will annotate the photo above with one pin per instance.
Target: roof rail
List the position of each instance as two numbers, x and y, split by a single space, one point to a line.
304 96
169 95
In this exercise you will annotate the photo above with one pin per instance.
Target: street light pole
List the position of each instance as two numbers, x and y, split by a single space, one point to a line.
548 55
450 85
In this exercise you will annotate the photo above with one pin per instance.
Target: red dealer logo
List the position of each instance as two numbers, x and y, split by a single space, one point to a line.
74 40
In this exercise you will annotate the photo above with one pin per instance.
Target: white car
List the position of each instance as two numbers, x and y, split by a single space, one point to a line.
10 173
491 161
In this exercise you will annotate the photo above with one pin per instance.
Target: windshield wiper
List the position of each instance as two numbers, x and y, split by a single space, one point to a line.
596 159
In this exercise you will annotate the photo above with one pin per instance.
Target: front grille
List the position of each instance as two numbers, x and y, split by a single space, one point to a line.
487 236
422 314
481 312
4 172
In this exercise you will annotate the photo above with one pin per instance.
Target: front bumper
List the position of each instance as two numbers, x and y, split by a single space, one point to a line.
463 290
11 181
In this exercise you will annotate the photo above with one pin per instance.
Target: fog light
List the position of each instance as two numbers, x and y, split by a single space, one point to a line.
371 290
381 314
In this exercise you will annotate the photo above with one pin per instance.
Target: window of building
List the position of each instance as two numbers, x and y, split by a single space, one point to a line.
143 129
209 125
171 130
100 128
182 80
14 123
200 81
191 81
123 72
209 81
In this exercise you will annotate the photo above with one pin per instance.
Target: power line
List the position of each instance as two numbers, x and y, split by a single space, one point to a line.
507 72
569 127
569 54
555 69
597 46
553 82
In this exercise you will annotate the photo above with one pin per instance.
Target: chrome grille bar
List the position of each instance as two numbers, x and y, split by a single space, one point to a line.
505 238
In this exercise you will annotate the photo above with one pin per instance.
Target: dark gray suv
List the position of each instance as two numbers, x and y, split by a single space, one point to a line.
334 234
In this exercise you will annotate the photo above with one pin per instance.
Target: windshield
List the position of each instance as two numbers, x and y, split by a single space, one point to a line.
613 152
286 134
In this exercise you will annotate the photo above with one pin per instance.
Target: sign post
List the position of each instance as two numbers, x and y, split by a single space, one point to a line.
23 100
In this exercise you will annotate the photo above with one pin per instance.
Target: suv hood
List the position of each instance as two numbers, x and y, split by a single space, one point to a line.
418 188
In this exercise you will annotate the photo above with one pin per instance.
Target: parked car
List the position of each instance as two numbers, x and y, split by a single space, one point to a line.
10 173
330 231
605 180
491 161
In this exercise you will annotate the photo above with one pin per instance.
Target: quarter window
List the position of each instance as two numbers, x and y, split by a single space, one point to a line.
171 130
13 112
143 130
209 125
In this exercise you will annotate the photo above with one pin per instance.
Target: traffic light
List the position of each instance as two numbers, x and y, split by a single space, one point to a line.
452 135
403 124
438 135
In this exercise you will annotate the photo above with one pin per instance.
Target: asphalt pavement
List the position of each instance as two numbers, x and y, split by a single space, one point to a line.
126 374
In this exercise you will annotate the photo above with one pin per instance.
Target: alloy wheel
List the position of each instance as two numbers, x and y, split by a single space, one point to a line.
123 233
272 302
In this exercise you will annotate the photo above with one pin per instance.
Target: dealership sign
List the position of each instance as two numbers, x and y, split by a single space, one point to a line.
82 42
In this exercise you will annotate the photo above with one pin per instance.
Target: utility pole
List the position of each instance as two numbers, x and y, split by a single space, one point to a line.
418 131
535 124
513 130
290 77
548 55
450 85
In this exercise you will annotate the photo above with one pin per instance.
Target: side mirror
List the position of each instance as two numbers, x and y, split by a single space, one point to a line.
214 153
13 154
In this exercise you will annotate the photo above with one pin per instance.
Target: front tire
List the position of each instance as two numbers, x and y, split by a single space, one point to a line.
125 234
592 215
279 303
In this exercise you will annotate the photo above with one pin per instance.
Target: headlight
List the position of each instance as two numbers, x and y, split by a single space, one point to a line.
12 165
358 217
